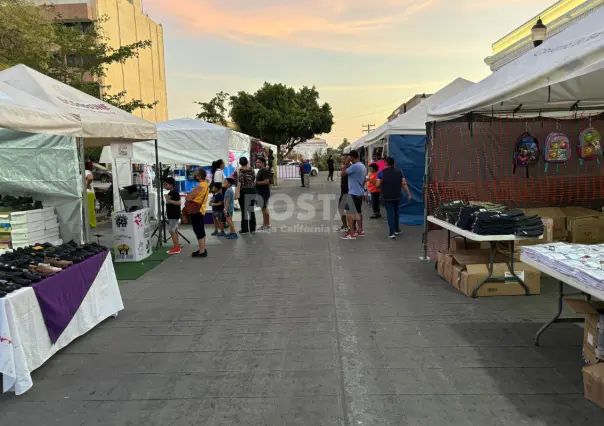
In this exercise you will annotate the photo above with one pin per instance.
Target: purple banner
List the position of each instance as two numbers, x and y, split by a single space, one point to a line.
61 295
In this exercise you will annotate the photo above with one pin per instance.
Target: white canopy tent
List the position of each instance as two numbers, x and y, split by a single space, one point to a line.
414 121
100 122
25 113
355 145
566 71
186 141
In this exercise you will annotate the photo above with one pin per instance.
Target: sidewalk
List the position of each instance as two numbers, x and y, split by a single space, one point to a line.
302 328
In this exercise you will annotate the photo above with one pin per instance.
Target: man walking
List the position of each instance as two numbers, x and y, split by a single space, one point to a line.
307 168
331 166
356 172
390 181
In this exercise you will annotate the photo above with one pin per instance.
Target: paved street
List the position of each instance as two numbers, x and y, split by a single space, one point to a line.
302 328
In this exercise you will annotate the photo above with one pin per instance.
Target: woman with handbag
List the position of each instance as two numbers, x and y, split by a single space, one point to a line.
195 206
246 187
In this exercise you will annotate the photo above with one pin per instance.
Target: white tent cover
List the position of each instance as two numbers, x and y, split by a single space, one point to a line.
100 121
22 112
414 121
44 167
565 69
186 141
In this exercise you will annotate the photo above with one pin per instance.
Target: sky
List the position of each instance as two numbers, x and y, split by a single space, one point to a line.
365 57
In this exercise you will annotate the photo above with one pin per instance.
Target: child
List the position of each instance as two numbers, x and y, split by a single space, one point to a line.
374 190
172 212
217 210
229 206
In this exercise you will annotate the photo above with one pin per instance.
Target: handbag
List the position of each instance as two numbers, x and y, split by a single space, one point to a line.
191 207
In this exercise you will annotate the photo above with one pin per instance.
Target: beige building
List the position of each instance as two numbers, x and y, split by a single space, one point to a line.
414 101
142 78
557 17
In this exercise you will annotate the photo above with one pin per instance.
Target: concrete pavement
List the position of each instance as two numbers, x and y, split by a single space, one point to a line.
298 327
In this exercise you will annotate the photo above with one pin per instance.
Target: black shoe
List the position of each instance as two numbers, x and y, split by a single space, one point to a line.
375 216
198 254
392 236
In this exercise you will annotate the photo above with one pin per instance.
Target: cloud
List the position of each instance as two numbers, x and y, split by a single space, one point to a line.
342 25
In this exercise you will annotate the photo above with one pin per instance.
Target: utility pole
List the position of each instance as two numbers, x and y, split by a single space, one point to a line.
369 126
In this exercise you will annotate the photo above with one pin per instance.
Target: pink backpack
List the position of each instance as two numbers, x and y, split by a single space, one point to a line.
556 149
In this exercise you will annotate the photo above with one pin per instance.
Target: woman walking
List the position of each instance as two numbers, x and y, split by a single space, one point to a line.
199 196
247 196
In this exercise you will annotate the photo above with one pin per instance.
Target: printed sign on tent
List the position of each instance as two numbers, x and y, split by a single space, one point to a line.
121 150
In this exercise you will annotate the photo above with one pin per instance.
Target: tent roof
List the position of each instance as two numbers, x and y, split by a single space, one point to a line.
25 113
413 122
566 68
187 141
100 121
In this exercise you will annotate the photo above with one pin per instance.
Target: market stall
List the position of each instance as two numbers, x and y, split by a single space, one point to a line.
404 139
100 122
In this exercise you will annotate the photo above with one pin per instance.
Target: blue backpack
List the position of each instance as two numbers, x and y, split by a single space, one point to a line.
526 152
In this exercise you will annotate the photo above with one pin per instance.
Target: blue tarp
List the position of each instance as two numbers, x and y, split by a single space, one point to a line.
409 154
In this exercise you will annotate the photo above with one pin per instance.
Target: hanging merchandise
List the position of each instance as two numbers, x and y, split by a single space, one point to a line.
589 145
556 149
527 152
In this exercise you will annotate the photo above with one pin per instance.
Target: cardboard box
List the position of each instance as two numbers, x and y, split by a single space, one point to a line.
441 262
459 244
593 383
593 338
474 274
584 226
558 220
456 276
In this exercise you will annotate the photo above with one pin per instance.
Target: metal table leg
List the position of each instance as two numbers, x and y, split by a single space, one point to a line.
556 318
490 279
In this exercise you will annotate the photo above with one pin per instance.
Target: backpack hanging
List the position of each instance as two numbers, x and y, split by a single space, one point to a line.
556 149
589 145
526 152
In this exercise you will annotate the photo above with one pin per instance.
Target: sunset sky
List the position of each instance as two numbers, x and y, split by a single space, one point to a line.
365 57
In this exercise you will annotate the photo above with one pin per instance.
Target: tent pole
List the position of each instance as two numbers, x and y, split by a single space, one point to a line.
159 195
428 143
86 219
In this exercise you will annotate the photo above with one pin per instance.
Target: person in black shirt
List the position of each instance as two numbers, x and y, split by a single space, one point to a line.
391 181
263 189
331 165
172 212
343 201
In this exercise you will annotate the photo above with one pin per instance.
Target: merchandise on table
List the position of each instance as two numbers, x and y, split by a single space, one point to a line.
489 219
33 264
580 261
24 222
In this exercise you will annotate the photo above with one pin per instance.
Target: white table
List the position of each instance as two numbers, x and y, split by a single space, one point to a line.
492 240
24 342
562 279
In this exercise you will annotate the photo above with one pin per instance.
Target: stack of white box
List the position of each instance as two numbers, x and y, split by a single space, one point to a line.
34 226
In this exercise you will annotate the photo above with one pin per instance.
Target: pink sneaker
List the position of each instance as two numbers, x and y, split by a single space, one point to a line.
361 234
349 236
174 251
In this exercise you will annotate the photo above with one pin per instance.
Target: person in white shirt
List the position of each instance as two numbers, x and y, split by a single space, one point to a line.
218 171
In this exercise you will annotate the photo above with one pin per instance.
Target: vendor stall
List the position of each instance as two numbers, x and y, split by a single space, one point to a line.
100 122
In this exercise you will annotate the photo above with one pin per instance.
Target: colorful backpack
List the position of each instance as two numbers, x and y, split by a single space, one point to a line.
589 145
556 149
526 152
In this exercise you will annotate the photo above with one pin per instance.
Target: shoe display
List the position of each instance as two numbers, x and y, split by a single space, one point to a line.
32 264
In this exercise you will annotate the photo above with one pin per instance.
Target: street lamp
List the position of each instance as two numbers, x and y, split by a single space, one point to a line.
538 33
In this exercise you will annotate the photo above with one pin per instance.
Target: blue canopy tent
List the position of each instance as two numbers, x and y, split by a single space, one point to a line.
405 140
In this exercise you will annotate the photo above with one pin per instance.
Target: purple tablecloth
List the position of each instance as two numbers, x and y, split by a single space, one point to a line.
61 295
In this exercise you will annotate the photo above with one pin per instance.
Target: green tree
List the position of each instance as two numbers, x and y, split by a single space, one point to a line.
281 115
214 111
75 54
343 145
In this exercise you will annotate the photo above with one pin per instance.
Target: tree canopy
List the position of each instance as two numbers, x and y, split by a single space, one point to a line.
75 54
214 111
280 115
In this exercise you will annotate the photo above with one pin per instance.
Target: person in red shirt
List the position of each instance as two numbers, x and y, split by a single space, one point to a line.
374 190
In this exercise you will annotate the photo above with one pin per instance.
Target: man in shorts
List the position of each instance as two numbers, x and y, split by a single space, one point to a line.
343 206
356 172
172 212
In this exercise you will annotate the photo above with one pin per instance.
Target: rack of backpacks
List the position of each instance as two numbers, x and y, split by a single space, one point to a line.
557 149
484 218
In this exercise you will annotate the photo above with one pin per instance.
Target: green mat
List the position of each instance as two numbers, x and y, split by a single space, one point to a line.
134 270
